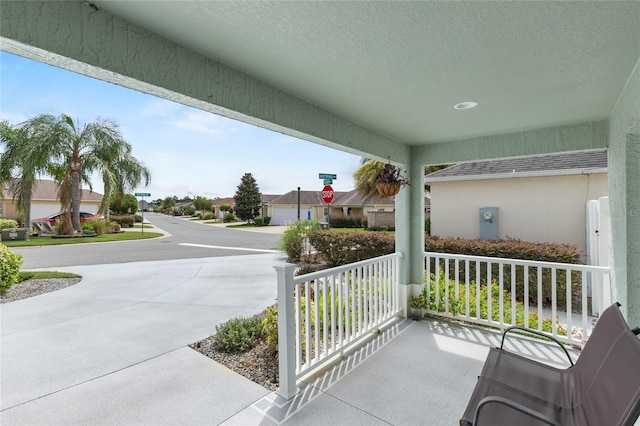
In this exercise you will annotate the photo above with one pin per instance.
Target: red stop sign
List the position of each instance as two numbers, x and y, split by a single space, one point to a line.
327 194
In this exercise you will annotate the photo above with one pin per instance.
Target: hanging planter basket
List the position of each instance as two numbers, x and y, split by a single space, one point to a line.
388 189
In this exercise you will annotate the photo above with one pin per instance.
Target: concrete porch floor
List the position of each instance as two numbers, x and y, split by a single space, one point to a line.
416 372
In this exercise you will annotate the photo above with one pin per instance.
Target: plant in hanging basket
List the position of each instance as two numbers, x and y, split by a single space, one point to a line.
390 180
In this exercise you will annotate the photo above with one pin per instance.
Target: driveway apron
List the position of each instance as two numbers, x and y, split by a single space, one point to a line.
113 348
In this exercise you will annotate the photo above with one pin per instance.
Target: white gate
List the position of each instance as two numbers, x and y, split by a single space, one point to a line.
598 243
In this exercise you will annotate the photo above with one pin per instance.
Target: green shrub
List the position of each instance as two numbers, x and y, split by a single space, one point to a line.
98 226
266 219
229 217
295 239
239 334
270 328
137 218
125 221
457 305
207 216
112 227
515 249
258 220
341 248
8 223
10 264
346 222
189 210
427 226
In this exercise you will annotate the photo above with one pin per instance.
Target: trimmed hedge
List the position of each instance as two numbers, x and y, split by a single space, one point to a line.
346 222
125 221
515 249
341 248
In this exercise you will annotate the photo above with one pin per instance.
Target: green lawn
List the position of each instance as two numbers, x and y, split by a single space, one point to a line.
243 225
39 275
47 241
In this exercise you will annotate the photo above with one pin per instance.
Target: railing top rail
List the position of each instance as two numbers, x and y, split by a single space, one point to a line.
331 271
508 261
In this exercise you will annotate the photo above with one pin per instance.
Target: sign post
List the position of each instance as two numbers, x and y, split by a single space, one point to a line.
327 193
142 194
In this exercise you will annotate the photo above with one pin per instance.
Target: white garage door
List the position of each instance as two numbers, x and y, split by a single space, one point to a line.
284 215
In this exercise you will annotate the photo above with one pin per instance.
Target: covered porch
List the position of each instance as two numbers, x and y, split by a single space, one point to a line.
380 79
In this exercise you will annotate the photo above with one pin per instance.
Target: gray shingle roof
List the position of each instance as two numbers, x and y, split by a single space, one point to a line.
567 162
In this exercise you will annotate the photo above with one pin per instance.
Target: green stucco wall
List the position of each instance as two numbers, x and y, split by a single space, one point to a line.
624 197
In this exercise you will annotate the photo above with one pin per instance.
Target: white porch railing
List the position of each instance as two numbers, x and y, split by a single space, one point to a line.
544 296
322 313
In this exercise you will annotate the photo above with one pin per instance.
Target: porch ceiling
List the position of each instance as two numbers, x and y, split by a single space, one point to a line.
397 68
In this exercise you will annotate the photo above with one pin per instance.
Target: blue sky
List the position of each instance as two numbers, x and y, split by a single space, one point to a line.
188 151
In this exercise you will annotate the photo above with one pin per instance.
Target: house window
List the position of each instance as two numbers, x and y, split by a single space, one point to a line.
1 210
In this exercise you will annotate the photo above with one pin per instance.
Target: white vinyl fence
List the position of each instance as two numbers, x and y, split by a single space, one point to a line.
544 296
322 313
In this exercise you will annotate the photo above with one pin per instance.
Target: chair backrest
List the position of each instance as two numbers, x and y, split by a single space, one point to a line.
609 372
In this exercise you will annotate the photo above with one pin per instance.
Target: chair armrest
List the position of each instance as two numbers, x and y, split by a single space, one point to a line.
537 333
513 405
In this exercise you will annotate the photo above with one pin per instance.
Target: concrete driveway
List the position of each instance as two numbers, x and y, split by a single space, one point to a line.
113 348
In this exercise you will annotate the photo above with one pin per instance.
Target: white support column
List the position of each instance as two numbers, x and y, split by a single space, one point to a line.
286 332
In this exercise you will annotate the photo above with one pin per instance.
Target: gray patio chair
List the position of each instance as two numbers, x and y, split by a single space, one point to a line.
602 388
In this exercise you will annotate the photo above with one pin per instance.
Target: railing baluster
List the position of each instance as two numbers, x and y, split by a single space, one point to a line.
446 285
569 297
501 292
539 298
489 299
554 303
526 295
513 294
478 315
467 272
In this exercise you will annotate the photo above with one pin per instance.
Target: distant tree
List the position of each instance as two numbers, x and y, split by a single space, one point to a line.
124 204
168 204
203 204
225 207
19 166
248 198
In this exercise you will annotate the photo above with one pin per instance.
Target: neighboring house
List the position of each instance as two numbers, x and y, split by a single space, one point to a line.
44 200
232 202
539 199
284 209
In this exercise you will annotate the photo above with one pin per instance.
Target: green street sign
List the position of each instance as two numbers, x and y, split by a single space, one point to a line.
327 176
327 181
142 194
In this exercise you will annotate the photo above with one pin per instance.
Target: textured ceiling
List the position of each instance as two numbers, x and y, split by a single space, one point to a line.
399 67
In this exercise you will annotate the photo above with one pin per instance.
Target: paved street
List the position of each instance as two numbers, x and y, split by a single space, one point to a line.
187 240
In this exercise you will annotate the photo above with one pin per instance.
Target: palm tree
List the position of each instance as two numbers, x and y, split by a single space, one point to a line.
18 166
78 152
366 175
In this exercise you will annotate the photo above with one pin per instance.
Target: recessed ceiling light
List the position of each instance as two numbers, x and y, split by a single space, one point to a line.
465 105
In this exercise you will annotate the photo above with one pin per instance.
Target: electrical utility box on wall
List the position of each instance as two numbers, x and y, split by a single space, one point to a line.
488 223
